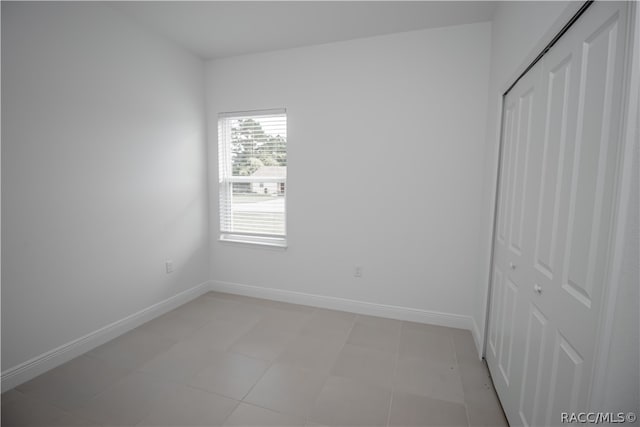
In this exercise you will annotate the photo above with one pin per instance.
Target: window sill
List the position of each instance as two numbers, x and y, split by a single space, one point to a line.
250 241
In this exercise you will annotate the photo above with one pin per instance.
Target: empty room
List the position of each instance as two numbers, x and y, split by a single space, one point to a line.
320 213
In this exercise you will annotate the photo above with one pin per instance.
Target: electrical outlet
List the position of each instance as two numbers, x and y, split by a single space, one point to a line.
357 272
168 264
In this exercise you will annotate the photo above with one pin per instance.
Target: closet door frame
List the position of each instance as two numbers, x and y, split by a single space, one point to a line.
629 134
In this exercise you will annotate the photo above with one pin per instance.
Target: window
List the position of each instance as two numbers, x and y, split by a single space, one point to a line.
252 152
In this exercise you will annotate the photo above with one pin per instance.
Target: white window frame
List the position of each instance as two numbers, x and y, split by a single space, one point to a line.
226 180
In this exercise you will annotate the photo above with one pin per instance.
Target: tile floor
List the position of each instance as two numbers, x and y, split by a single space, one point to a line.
237 361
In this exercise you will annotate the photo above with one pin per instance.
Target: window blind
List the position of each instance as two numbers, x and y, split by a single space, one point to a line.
253 176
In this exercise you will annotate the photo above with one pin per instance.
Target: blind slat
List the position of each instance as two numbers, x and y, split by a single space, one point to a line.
252 149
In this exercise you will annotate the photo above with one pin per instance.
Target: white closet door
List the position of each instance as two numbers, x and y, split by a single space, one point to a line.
557 197
512 250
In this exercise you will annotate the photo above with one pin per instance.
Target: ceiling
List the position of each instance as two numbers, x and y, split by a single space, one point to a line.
216 29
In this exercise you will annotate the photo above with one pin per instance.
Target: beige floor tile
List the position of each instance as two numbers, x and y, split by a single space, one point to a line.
258 302
250 415
187 406
481 399
437 380
475 377
312 352
288 389
235 298
127 402
172 325
72 420
374 337
464 346
326 334
371 366
429 342
236 326
287 306
221 329
483 409
264 342
347 402
329 325
203 309
379 323
230 374
331 319
218 335
131 350
234 311
474 373
196 310
413 410
72 384
9 395
421 327
202 358
180 363
285 320
21 410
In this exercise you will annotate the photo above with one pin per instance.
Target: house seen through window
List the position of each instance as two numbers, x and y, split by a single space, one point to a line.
252 149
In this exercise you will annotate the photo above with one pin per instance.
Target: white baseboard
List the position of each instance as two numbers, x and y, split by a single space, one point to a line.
25 371
343 304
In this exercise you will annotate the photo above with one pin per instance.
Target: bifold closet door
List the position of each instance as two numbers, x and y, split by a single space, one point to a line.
557 186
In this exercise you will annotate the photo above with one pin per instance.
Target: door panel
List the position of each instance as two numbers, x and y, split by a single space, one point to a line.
566 376
512 250
506 170
534 356
495 314
520 157
592 159
510 291
552 167
556 201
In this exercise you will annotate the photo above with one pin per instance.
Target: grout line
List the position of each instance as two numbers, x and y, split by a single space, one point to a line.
238 402
464 398
277 411
353 322
186 383
393 375
270 363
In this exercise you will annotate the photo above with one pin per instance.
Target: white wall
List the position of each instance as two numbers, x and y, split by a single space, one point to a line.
520 30
385 166
103 173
